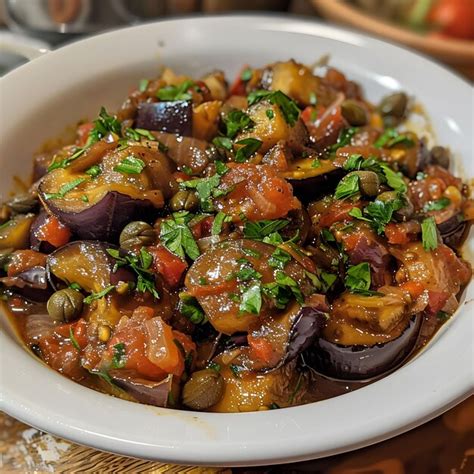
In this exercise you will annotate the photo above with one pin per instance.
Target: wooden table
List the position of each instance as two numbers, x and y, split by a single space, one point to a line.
442 446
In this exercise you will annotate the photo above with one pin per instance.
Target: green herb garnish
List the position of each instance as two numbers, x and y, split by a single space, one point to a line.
347 187
143 85
65 188
246 74
251 300
237 121
119 359
189 307
180 92
279 258
97 296
94 171
358 278
74 340
259 229
437 205
250 146
130 165
177 237
288 106
429 234
391 137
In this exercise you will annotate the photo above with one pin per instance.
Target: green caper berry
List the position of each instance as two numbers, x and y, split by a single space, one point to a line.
184 200
137 233
354 113
204 389
369 182
65 305
394 105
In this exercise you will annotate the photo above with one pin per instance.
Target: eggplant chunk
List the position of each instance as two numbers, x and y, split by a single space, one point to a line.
185 152
95 197
169 116
213 280
359 362
454 231
311 179
150 392
32 284
296 81
89 265
288 334
270 127
15 233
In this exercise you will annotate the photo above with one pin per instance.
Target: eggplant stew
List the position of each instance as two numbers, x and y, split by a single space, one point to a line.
270 243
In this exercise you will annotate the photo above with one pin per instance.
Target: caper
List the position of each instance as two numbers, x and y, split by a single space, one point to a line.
354 113
65 305
137 233
204 389
407 209
369 182
184 200
394 105
23 204
439 155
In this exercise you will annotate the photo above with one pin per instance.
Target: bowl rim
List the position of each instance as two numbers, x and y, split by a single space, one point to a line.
288 441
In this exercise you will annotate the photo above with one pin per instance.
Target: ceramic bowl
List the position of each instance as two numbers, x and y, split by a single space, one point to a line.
40 98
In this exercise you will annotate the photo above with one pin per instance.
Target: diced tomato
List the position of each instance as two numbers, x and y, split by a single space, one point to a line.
260 349
325 131
414 288
436 300
238 86
83 133
54 232
168 265
180 176
454 17
23 260
311 113
396 234
202 228
338 211
215 289
79 332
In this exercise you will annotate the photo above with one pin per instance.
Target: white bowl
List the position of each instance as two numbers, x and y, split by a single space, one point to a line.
40 98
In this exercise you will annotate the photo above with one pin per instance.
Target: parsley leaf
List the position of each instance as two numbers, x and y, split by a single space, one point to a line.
65 188
279 258
344 138
251 300
358 278
130 165
97 296
246 74
437 205
429 234
394 179
237 121
250 146
140 265
282 290
180 92
218 222
259 229
73 340
347 187
378 213
223 142
288 106
177 237
119 359
143 85
94 171
391 137
189 307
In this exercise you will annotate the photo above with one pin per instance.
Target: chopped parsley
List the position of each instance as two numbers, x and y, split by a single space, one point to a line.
429 234
74 340
119 359
140 265
223 142
246 74
391 137
189 307
177 237
248 148
130 165
437 205
237 121
270 114
377 213
344 138
214 366
65 188
282 290
358 278
279 258
94 171
347 187
97 296
235 369
143 85
288 107
251 300
180 92
442 315
316 163
218 222
394 179
258 230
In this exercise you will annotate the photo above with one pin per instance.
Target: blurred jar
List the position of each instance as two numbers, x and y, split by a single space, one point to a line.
56 19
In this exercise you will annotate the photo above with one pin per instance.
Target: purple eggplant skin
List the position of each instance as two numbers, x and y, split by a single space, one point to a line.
311 189
307 327
150 392
68 253
35 242
364 362
104 220
169 116
32 284
454 231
